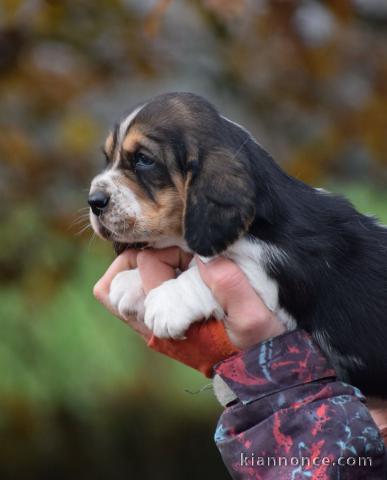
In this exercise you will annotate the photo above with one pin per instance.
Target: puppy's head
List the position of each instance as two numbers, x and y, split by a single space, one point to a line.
175 171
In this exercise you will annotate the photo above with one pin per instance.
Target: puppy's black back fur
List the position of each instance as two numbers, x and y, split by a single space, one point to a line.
333 280
332 276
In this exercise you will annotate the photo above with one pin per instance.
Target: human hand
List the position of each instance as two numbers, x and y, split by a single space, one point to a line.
155 267
127 260
248 321
207 343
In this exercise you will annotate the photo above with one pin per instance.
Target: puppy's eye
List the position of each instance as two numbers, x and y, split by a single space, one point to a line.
142 161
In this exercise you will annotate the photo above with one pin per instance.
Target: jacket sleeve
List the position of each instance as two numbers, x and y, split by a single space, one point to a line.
292 419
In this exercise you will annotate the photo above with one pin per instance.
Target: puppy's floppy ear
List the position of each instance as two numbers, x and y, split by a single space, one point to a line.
220 201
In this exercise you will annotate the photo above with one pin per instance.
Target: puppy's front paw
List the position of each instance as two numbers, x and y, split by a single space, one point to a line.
126 293
173 306
166 312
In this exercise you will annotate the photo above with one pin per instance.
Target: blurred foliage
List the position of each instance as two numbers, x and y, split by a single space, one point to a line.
80 396
308 78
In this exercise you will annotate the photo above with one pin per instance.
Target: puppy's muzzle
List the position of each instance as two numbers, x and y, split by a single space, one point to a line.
98 201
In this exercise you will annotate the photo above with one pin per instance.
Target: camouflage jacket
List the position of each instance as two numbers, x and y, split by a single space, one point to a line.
292 419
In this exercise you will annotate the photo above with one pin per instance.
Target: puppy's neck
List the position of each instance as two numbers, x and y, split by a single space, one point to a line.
171 241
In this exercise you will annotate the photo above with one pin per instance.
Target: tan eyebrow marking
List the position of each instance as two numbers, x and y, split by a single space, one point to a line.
136 139
132 139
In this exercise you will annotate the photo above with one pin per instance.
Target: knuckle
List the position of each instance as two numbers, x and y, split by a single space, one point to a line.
226 277
261 319
98 291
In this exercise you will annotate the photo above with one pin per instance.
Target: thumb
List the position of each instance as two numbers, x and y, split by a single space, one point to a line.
248 320
227 282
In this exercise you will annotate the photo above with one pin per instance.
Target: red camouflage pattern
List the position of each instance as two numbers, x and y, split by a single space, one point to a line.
293 419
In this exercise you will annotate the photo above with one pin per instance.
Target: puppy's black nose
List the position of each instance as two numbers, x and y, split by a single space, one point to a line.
98 201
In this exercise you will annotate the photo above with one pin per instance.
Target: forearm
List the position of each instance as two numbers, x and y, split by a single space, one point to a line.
293 419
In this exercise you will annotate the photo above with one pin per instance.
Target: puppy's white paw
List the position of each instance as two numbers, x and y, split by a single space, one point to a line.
166 313
172 307
126 293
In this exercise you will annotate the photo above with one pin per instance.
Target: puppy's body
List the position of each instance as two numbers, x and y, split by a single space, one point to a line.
180 174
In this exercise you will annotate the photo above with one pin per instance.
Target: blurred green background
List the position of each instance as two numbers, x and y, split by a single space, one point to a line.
80 395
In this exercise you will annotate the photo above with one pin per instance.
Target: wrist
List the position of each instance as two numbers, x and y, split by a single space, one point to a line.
245 335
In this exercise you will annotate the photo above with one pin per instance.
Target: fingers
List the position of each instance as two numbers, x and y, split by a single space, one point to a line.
125 261
157 266
248 319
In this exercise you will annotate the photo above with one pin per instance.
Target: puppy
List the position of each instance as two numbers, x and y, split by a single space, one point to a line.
178 173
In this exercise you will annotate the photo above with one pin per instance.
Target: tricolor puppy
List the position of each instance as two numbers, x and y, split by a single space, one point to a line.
178 173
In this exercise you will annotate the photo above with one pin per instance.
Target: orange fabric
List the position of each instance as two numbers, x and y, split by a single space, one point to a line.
206 344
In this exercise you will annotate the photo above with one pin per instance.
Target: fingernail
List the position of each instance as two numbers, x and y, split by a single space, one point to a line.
205 260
